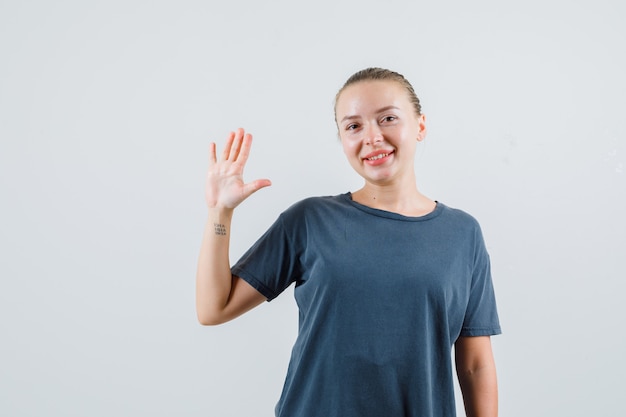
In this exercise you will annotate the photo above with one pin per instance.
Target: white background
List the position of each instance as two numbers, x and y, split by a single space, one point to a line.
106 112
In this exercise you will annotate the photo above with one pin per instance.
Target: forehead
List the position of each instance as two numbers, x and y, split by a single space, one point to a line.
370 95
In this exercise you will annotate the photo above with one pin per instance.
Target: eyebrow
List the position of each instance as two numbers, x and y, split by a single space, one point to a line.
383 109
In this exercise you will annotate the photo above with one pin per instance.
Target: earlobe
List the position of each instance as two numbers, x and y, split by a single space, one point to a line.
422 133
422 128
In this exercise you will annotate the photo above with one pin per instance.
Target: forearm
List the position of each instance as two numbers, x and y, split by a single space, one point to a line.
480 390
219 296
213 277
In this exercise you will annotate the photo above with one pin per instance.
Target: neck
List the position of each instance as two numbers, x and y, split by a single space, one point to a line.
404 200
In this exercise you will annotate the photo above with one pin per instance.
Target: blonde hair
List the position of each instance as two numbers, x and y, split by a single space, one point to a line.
381 74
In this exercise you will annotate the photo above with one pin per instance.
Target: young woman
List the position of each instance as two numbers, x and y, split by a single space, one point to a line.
387 280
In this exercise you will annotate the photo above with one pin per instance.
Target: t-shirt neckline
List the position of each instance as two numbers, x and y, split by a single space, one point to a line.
391 215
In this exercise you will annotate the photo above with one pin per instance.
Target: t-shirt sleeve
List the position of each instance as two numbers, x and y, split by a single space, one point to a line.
272 263
481 315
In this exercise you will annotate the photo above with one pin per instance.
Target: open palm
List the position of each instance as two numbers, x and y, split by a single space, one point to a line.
225 187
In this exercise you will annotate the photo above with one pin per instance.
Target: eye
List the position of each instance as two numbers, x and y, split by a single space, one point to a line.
388 119
352 126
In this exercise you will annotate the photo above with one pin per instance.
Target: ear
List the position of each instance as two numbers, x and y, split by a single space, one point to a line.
421 135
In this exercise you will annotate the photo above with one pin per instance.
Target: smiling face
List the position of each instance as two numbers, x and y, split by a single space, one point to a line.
379 130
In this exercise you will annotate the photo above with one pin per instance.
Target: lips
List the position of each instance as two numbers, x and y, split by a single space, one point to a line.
380 155
377 157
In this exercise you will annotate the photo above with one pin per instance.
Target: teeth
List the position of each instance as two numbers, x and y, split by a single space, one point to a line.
373 158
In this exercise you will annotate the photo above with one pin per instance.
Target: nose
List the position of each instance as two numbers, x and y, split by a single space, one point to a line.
373 134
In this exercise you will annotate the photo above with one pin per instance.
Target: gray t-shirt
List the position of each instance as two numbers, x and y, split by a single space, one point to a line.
382 299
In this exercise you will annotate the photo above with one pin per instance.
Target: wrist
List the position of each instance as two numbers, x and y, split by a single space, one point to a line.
221 213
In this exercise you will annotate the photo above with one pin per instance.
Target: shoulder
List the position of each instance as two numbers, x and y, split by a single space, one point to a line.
308 217
315 205
458 215
460 222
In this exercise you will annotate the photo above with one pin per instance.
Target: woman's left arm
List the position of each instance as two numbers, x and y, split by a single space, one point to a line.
476 370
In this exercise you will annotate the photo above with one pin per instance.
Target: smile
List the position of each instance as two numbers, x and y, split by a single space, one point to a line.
379 156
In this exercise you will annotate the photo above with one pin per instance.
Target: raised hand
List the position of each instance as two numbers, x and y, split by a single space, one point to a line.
225 187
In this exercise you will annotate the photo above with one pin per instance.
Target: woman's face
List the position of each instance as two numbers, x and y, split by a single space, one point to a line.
379 131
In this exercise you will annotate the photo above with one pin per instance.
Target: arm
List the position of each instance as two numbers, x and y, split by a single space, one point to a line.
221 297
476 371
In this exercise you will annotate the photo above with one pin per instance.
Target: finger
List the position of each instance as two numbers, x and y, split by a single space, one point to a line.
254 186
212 156
228 145
244 151
236 146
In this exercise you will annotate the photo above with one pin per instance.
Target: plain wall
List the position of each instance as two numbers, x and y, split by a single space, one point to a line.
106 113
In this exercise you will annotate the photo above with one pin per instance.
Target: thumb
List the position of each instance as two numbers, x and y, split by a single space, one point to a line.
254 186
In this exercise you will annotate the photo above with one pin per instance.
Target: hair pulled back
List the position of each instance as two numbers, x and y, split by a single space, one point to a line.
381 74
